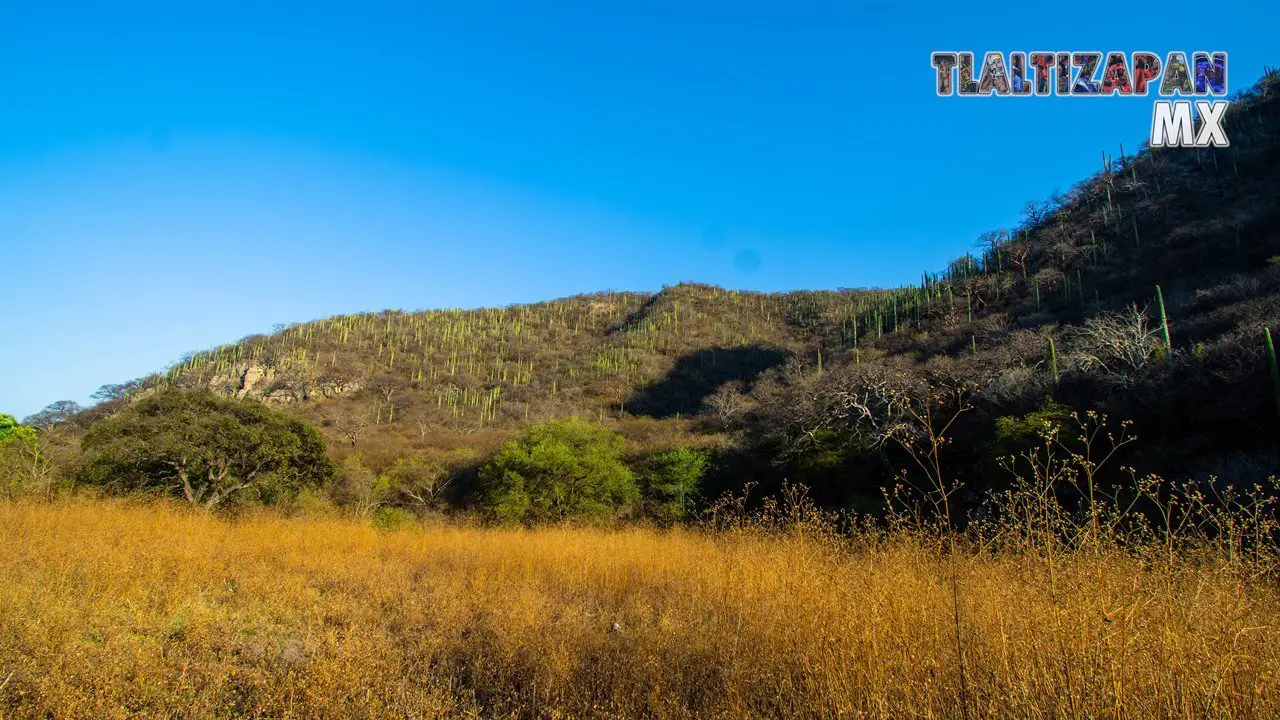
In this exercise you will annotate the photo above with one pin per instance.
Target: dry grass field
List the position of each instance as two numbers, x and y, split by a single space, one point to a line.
116 609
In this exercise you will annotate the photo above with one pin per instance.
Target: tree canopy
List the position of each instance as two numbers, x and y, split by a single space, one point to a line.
673 480
54 413
558 470
19 454
204 448
12 431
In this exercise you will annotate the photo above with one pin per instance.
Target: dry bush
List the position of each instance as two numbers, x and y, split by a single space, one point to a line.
1117 346
1022 348
1018 386
1050 280
728 404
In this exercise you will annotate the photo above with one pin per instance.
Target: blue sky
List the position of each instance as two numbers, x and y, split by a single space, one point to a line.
172 178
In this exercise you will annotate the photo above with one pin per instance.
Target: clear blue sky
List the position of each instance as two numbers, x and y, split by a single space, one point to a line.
175 176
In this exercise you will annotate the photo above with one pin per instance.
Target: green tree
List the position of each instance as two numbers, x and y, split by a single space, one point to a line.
12 431
204 448
1015 434
557 470
673 479
21 461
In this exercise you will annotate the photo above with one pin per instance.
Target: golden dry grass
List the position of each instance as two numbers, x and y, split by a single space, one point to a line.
110 609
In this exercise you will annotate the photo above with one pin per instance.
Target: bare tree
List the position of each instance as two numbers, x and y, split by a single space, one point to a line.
1018 254
112 392
391 390
993 241
297 383
352 428
424 424
728 403
53 414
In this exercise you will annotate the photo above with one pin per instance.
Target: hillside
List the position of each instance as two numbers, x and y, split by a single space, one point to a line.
588 355
1034 312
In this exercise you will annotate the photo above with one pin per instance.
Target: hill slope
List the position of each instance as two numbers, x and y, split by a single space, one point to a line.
711 365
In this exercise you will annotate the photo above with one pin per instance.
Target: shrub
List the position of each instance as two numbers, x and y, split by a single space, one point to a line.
1015 434
557 470
1118 346
1017 387
392 518
310 503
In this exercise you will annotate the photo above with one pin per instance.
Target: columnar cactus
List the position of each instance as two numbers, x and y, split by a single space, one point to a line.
1275 370
1053 360
1164 320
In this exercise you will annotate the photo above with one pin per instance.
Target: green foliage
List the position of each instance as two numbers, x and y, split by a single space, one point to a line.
673 479
392 518
558 470
311 502
828 452
1015 434
11 431
206 449
20 458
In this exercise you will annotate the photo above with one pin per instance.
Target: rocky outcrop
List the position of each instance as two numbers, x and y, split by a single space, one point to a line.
271 385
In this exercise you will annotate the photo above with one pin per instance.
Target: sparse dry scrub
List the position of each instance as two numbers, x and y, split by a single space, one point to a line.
115 609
